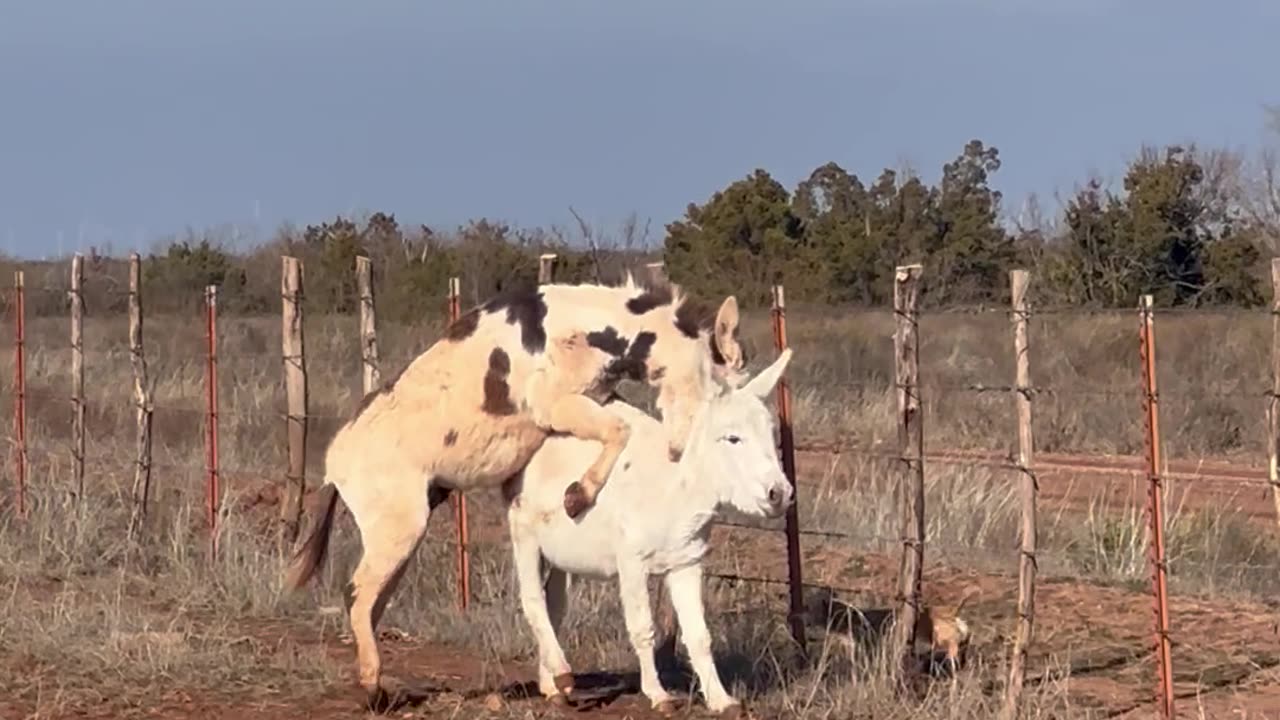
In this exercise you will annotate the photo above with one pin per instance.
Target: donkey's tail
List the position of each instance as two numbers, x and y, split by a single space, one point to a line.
311 555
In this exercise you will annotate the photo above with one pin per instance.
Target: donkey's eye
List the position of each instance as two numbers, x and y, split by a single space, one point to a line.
733 439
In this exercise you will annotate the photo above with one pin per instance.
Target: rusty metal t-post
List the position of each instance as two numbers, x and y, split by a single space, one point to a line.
795 615
212 490
1155 510
20 390
458 499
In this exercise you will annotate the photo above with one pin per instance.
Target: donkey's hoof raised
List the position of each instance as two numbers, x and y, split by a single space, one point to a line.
575 500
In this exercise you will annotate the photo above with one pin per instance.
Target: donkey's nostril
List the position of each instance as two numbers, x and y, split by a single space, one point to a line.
775 496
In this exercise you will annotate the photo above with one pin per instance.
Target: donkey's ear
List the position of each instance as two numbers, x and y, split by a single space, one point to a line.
726 333
761 385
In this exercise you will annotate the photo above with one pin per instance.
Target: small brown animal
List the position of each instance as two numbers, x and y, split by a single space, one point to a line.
938 625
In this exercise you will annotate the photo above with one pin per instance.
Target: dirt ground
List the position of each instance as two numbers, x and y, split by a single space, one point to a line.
1094 639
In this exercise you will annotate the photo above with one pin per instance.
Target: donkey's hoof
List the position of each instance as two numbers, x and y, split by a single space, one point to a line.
559 700
732 712
575 500
665 707
564 683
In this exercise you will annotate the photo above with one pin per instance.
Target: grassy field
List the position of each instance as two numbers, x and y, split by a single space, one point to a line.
97 626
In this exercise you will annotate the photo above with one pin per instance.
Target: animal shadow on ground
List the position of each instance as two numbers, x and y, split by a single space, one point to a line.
591 690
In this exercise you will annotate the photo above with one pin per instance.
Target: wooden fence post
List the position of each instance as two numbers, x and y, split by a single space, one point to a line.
1273 403
212 489
657 273
546 268
458 499
1027 482
141 399
20 389
371 376
1155 509
77 374
906 341
295 379
795 582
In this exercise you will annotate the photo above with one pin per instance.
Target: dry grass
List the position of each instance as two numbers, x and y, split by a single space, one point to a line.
90 620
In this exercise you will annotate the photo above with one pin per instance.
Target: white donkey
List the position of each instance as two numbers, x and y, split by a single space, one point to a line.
653 517
472 409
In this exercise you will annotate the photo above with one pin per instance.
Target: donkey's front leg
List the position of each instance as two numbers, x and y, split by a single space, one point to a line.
633 585
685 587
582 417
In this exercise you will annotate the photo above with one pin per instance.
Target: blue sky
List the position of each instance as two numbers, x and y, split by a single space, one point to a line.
127 121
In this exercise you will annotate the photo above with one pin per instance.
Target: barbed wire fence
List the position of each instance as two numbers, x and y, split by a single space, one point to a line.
910 456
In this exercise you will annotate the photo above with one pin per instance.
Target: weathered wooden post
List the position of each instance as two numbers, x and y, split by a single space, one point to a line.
546 268
142 401
77 374
657 273
295 379
906 341
1027 486
371 374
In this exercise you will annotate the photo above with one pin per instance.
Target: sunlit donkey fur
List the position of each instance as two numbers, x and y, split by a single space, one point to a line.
471 410
652 518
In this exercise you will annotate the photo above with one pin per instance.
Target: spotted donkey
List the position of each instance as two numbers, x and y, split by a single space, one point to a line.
471 411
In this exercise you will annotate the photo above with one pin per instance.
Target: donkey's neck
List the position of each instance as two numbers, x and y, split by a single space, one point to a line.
697 490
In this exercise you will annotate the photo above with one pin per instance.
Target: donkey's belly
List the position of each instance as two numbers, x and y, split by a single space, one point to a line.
488 452
576 557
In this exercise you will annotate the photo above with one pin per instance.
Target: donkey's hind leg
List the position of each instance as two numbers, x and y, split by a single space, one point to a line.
389 536
582 417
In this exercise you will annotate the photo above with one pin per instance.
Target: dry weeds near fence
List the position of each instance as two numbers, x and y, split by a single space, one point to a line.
911 455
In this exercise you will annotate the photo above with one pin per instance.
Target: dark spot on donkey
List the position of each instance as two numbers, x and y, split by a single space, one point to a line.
608 340
633 363
527 309
451 438
497 393
649 299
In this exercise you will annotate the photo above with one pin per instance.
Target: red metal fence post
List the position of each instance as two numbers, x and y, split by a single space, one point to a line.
211 438
459 500
1155 510
20 389
795 615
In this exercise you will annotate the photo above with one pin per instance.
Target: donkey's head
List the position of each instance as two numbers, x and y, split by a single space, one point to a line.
732 446
691 348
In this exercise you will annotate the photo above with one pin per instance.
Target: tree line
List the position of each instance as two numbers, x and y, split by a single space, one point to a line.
1192 228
